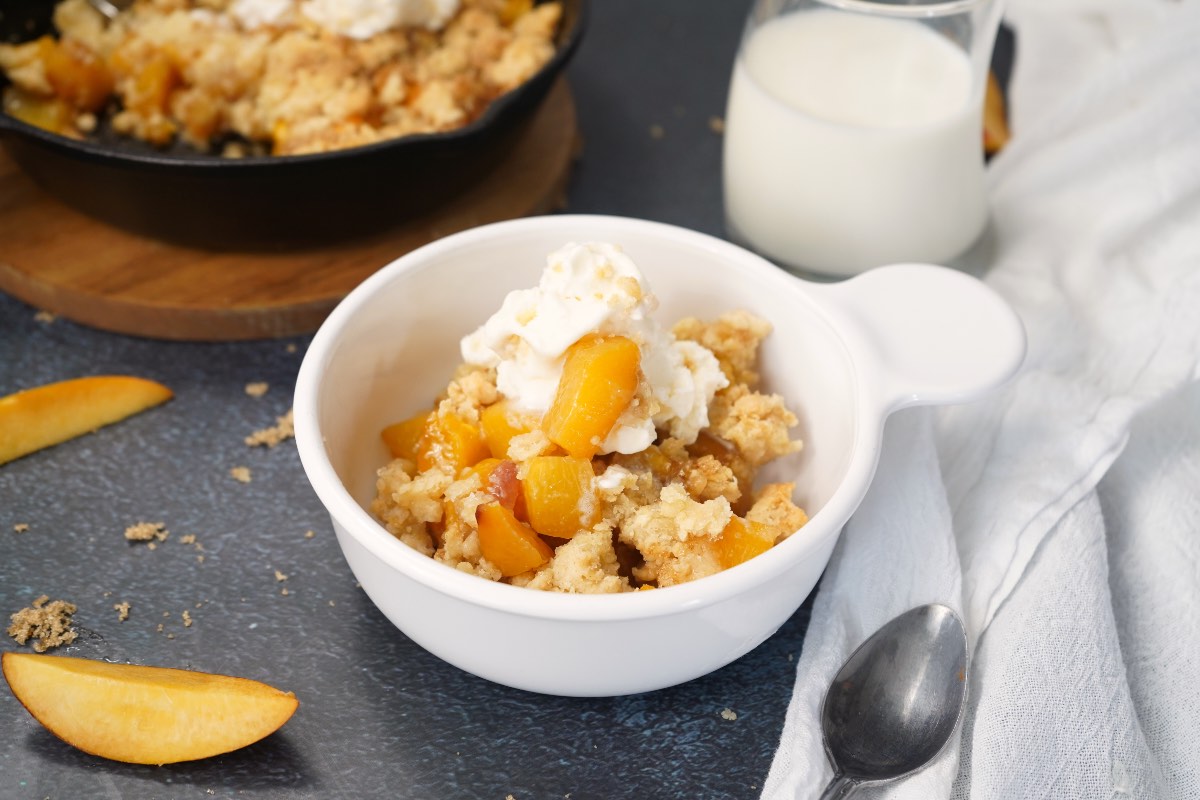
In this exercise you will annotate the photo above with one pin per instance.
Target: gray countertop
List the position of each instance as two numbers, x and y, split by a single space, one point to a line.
378 716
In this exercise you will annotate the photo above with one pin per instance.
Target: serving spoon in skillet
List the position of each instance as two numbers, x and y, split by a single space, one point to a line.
110 8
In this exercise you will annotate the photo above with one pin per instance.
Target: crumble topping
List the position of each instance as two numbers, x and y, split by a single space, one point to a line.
240 474
147 532
257 389
283 429
46 622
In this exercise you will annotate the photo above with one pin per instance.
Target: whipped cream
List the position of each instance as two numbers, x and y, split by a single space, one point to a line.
596 288
357 19
258 13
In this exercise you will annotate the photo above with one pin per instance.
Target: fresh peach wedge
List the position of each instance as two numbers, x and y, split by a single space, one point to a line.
56 412
144 715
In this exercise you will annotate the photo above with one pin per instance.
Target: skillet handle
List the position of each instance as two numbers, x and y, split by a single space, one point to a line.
926 334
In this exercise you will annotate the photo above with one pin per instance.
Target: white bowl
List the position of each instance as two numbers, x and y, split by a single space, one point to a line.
844 356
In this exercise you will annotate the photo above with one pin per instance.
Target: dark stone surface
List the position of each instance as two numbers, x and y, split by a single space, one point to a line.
379 717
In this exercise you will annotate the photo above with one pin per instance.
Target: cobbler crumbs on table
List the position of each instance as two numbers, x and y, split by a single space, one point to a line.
286 77
47 622
582 448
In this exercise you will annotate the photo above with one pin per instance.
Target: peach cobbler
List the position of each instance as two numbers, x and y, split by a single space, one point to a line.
284 77
581 447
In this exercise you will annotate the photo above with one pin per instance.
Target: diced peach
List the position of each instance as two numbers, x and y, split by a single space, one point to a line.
741 541
512 10
451 442
76 73
153 80
48 113
500 424
155 83
403 438
560 495
599 380
499 477
509 543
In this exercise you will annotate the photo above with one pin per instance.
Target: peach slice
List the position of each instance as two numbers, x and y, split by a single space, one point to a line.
56 412
144 715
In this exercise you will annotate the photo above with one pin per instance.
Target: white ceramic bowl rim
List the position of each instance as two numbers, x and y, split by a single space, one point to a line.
869 413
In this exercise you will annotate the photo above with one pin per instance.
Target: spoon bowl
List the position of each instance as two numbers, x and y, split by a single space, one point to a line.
894 704
110 8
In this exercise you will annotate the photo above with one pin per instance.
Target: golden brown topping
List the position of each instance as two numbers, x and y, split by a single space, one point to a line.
47 622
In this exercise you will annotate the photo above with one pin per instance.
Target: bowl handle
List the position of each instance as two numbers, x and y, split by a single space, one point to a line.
926 335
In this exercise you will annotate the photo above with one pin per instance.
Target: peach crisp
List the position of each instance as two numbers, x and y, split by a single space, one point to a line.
280 77
581 447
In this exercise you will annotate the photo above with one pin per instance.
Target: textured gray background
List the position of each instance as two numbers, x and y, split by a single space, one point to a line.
379 717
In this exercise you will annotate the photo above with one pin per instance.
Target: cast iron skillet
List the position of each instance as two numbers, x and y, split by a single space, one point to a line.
268 202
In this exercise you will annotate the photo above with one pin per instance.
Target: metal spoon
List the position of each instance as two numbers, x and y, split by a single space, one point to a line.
892 706
110 8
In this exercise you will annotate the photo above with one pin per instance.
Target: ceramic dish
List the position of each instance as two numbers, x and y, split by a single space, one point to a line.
268 202
844 355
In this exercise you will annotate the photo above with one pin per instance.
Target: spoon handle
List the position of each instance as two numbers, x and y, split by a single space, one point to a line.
840 787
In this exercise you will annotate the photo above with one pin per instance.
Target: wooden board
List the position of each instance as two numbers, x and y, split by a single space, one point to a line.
57 259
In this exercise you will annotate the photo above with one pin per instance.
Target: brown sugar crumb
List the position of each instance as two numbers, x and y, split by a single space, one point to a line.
674 536
45 317
309 534
122 610
240 474
279 576
716 125
706 478
283 429
472 389
188 539
774 508
257 389
284 591
187 618
757 424
147 532
20 527
733 338
47 622
159 628
729 714
291 347
586 563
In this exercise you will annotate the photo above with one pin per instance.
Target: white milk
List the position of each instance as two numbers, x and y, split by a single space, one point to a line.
851 142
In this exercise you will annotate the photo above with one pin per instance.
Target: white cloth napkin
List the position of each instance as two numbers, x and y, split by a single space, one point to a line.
1062 515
